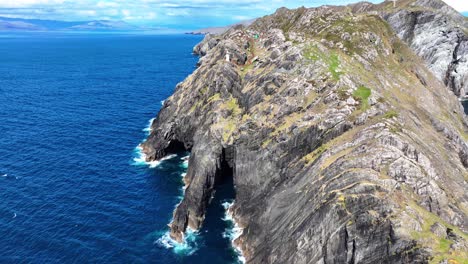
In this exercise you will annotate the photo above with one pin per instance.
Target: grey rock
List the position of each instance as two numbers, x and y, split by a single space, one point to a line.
323 173
436 32
439 230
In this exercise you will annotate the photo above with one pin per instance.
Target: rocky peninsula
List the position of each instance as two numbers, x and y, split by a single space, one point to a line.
341 128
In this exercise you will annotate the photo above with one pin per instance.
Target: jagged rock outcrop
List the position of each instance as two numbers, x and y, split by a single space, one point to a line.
343 146
435 31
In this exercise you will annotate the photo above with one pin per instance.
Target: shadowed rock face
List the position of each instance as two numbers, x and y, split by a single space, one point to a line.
343 146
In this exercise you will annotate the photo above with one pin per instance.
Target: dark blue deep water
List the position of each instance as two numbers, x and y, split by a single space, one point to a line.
72 110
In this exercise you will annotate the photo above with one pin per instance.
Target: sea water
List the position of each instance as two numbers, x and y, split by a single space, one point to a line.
73 185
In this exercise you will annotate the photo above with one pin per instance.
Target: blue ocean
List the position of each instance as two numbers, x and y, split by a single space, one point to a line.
73 108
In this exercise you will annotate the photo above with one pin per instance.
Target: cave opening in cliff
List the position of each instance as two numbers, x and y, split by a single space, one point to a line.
225 172
216 226
176 146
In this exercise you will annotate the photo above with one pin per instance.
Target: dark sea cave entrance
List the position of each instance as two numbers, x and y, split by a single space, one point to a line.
213 241
216 230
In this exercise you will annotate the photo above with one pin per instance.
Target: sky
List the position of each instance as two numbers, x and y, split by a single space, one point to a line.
183 14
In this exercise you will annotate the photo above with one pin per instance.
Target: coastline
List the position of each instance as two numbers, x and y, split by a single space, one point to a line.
235 232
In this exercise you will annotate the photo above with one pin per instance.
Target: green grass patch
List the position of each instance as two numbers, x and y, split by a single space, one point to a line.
233 106
246 69
266 143
229 127
215 97
313 53
362 94
204 90
440 246
195 106
391 114
333 65
311 157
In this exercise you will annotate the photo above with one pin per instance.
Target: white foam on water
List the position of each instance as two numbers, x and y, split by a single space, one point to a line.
154 164
234 232
140 159
189 245
186 248
148 129
185 162
162 102
5 175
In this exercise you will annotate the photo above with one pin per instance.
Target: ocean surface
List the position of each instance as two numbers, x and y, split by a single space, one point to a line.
73 108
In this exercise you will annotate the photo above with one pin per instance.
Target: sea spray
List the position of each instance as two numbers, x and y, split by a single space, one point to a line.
148 128
234 231
140 158
186 248
191 237
189 244
185 161
184 165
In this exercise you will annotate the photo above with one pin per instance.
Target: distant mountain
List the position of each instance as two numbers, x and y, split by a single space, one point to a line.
104 25
20 24
219 30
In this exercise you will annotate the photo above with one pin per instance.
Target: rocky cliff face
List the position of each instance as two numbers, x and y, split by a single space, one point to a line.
435 32
344 147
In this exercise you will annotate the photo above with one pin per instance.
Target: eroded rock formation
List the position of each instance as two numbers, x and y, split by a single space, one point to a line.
343 145
435 32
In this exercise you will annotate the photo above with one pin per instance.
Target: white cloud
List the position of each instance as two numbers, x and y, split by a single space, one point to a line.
151 15
88 13
111 12
459 5
103 4
174 12
128 15
27 3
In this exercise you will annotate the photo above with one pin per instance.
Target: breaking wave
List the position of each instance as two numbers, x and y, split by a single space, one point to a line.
233 231
140 158
186 248
185 161
190 243
148 129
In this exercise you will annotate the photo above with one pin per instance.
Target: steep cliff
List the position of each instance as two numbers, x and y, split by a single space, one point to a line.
343 146
435 31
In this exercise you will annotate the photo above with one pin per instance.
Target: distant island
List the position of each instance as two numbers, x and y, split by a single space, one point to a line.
20 24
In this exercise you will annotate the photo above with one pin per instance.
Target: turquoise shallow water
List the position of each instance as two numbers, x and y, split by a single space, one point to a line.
72 110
